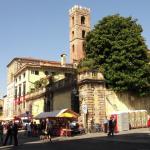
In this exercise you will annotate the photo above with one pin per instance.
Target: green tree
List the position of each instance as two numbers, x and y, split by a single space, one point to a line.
118 50
86 65
40 83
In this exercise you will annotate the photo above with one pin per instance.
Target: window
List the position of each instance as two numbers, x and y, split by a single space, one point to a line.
24 88
16 80
83 46
36 72
15 92
24 92
19 78
19 93
46 73
73 48
83 33
72 34
73 20
82 20
19 90
24 74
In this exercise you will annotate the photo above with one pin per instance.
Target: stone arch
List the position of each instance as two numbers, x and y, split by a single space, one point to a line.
83 33
82 19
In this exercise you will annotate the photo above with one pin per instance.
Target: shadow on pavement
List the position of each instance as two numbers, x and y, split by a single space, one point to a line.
132 141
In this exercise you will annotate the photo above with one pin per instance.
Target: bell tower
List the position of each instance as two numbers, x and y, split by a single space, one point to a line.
79 20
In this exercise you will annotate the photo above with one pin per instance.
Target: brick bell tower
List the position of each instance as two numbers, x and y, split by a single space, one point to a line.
79 20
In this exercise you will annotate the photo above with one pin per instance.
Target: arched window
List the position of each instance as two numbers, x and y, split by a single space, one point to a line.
73 20
83 46
82 20
83 33
73 48
72 34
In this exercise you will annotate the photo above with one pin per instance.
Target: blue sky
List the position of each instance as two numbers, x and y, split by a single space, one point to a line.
40 28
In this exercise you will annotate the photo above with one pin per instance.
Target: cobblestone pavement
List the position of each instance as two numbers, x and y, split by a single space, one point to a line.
137 139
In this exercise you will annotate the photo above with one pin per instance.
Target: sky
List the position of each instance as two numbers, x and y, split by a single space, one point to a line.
40 28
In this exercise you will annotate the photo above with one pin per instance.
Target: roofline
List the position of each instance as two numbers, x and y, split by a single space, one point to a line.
32 59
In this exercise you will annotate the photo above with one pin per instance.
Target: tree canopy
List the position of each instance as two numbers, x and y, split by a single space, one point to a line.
117 48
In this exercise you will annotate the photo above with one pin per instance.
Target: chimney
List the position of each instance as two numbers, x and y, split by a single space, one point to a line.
63 60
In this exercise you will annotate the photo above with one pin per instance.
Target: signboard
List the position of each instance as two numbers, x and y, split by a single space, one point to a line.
84 109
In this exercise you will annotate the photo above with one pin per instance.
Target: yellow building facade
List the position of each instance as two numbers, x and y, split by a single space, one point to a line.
22 76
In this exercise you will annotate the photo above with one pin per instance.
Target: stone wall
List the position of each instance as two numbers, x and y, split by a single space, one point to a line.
125 101
102 102
134 102
91 94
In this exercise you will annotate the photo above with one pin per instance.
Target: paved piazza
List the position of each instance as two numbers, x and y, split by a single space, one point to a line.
138 139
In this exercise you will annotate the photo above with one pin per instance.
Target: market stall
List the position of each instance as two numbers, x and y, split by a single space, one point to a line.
60 120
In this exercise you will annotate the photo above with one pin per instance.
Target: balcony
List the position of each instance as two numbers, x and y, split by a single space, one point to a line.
35 94
91 76
61 84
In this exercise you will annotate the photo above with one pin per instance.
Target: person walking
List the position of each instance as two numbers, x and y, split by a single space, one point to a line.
111 125
105 124
49 129
28 130
34 129
9 134
15 133
1 133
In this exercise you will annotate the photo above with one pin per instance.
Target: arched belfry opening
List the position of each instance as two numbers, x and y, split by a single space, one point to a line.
82 20
72 34
72 20
72 48
83 33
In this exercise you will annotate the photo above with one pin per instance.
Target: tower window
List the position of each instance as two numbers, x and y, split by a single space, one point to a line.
83 46
72 20
73 48
72 34
83 34
82 20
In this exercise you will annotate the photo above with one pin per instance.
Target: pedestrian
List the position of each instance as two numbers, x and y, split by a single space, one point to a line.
9 133
1 133
105 124
34 129
28 130
148 123
15 134
111 125
49 129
